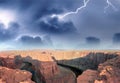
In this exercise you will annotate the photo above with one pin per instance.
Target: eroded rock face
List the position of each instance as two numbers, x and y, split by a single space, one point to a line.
107 72
42 71
90 61
88 76
8 75
7 62
65 76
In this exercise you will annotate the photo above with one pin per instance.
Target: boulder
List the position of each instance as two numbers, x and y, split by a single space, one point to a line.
8 75
109 72
88 76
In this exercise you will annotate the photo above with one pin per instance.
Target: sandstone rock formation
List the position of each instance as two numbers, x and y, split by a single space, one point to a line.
107 72
44 66
42 71
8 75
65 76
88 76
90 61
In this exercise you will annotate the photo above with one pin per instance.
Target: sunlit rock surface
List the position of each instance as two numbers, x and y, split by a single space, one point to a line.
8 75
88 76
58 66
109 72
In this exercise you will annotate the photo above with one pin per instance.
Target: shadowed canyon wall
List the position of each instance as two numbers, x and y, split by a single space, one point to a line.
54 66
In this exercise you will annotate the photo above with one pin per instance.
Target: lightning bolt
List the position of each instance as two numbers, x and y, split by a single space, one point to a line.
85 2
108 5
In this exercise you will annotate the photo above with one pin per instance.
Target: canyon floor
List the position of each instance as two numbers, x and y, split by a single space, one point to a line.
60 66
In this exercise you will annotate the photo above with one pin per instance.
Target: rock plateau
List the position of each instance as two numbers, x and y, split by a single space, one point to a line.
55 66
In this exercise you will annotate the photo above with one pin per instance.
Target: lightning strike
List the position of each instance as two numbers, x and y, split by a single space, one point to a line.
108 5
85 2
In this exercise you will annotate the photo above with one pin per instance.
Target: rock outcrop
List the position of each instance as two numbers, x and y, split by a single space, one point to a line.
65 76
44 67
8 75
90 61
42 71
107 72
88 76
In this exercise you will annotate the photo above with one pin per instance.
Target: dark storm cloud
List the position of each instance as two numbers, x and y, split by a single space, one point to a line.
25 3
54 7
34 16
13 27
92 40
90 43
31 11
30 41
95 20
40 8
46 11
55 26
10 33
17 3
116 38
34 10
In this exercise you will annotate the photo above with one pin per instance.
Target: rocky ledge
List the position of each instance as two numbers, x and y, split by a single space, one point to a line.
107 72
8 75
54 67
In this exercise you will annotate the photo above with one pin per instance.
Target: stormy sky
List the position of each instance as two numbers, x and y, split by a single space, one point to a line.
59 24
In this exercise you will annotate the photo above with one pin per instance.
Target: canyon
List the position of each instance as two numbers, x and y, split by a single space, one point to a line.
60 66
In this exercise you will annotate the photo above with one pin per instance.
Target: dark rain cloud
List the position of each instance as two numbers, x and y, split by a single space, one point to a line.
116 38
98 21
31 11
10 33
90 21
22 3
30 41
54 7
92 41
54 26
40 8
